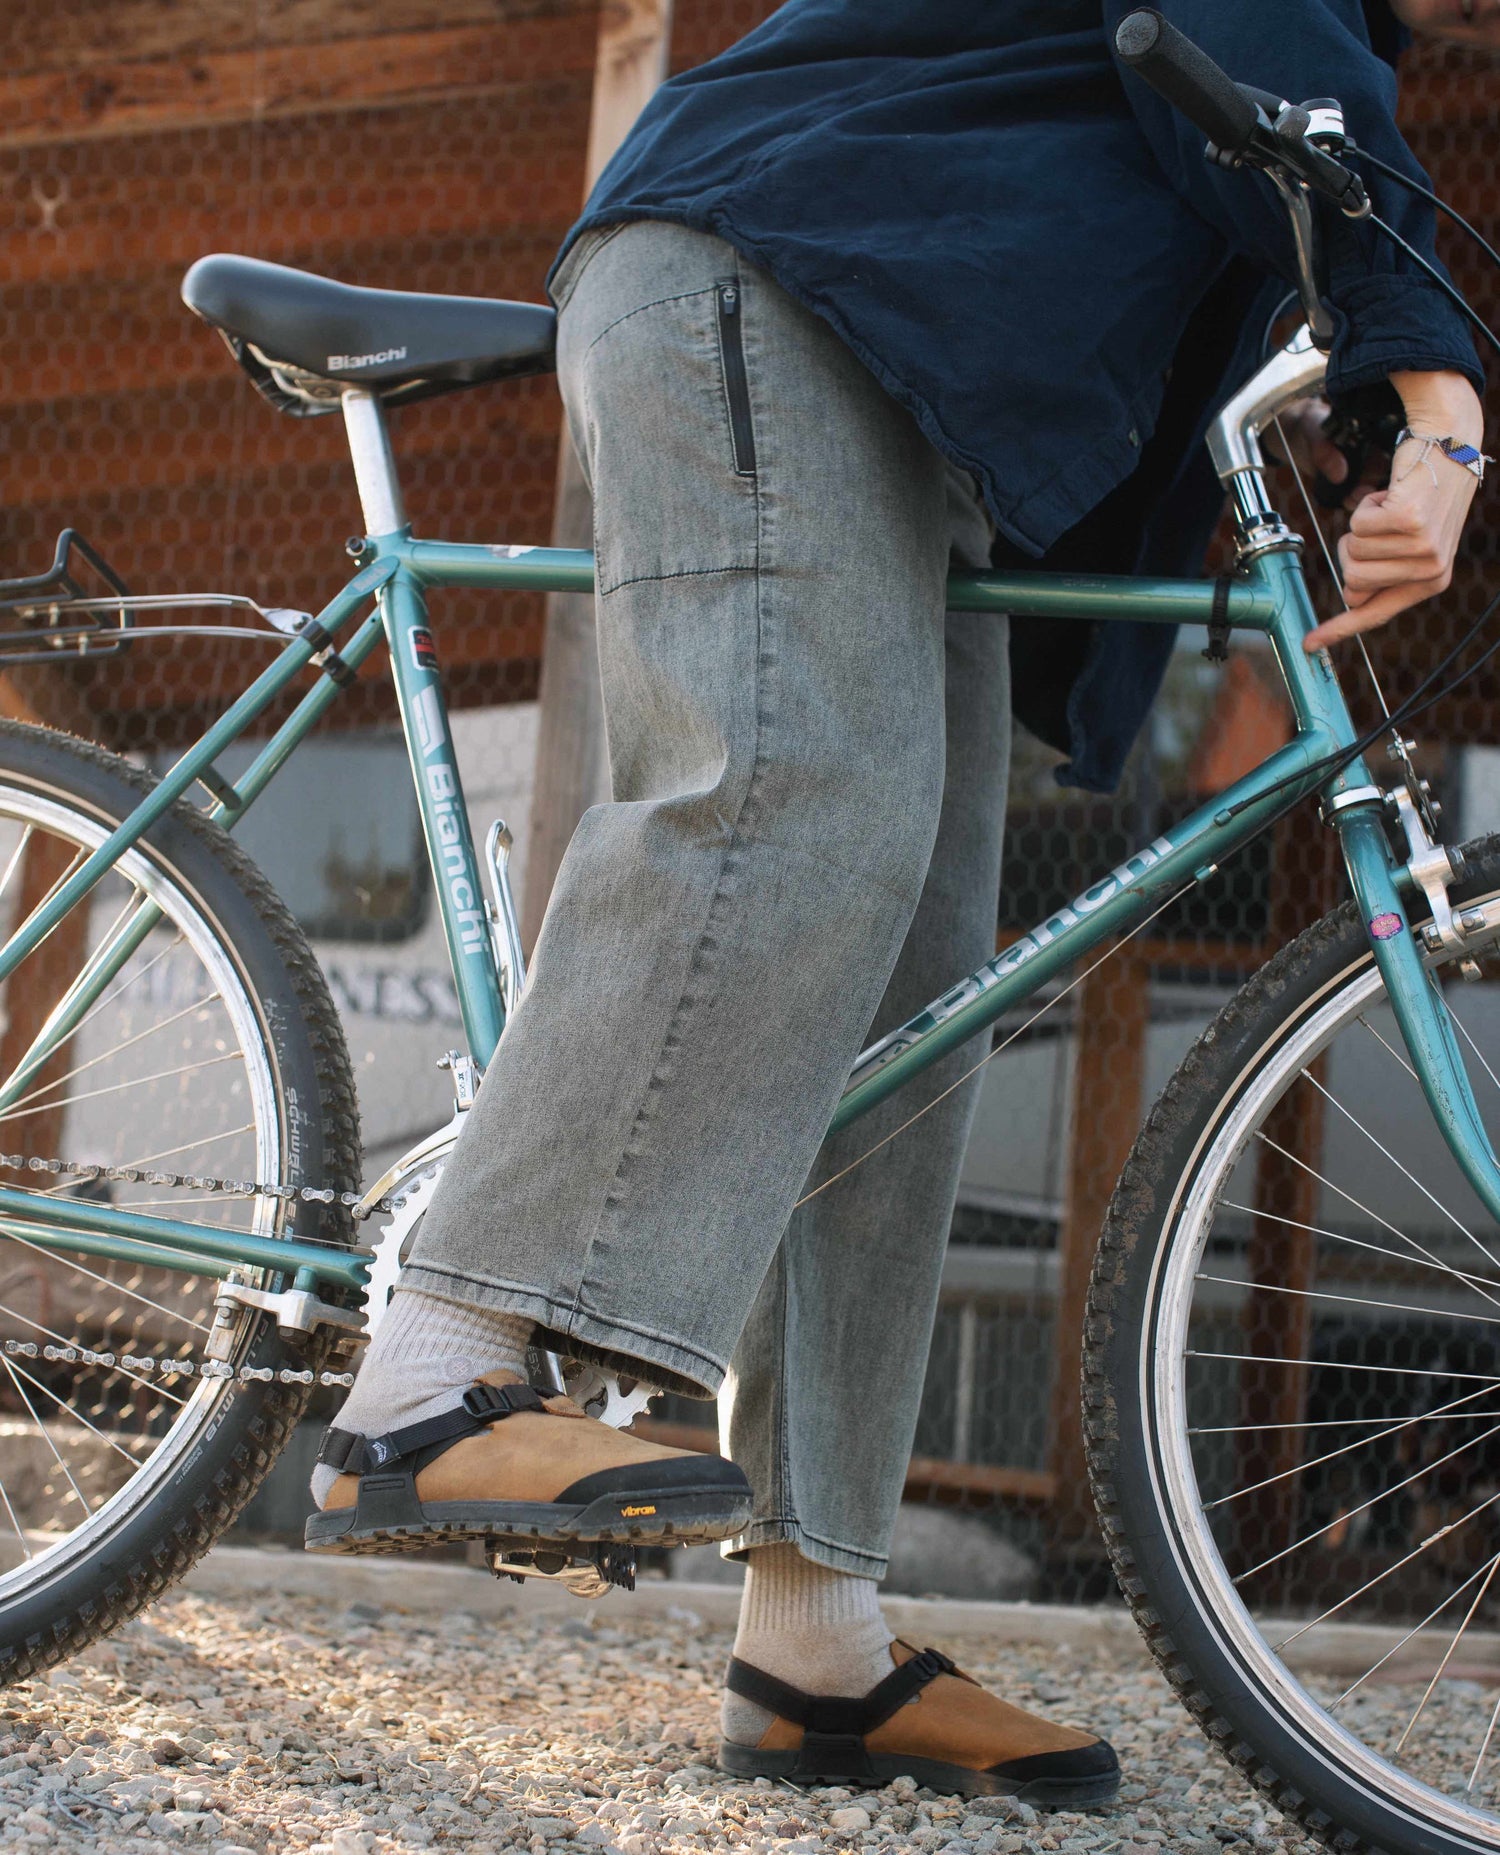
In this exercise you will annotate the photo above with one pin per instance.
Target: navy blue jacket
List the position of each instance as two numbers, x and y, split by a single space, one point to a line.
1025 246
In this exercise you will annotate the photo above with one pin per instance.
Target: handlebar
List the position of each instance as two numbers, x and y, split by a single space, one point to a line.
1188 78
1242 124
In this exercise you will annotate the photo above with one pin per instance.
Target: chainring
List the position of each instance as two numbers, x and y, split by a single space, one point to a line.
613 1399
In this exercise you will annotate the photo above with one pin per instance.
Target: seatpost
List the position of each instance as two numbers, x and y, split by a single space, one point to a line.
374 466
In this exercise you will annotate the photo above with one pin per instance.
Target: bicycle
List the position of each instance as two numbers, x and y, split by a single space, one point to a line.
155 1364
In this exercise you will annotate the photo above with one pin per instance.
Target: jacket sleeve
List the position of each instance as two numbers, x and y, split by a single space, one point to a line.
1388 316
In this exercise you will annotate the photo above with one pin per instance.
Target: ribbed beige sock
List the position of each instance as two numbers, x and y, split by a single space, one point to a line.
426 1352
818 1629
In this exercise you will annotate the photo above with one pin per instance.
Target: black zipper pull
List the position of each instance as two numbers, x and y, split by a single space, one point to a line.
736 382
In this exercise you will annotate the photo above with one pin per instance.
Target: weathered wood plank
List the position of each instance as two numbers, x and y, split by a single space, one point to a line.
1113 1017
270 83
572 769
84 33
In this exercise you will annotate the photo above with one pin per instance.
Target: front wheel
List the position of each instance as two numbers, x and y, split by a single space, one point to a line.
1292 1401
213 1051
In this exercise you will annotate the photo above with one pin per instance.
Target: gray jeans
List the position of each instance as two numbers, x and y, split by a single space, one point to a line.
808 759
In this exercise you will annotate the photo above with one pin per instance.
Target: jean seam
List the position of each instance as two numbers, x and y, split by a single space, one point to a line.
602 235
785 1497
682 573
657 302
727 866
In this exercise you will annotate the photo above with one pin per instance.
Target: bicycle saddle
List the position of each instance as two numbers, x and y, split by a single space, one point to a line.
302 338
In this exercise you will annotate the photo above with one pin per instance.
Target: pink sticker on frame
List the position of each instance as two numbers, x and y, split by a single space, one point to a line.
1385 927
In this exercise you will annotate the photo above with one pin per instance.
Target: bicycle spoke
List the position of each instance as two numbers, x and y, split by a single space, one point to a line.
1380 1577
46 1433
1423 1261
1326 1423
1386 1045
187 1146
150 1159
110 998
1349 1365
1415 1630
1384 1494
1327 1294
1363 1208
40 1049
15 1523
1463 1032
114 1088
146 1384
1333 1455
157 1204
118 1288
13 862
62 1403
103 1056
1405 1171
1448 1653
1484 1747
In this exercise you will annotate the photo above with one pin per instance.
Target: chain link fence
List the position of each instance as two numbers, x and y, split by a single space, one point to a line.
438 145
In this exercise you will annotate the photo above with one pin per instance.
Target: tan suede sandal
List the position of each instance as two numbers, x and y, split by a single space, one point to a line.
929 1721
515 1464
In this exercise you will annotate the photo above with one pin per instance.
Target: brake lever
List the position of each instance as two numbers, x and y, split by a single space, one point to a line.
1286 136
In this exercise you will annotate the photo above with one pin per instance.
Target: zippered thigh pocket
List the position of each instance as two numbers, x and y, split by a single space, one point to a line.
729 299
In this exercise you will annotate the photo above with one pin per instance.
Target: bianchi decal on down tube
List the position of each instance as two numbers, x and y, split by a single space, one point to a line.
1004 964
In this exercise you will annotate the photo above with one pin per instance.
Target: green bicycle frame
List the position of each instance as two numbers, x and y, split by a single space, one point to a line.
1269 597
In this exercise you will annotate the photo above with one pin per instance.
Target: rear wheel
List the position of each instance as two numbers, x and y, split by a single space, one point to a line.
1292 1396
214 1051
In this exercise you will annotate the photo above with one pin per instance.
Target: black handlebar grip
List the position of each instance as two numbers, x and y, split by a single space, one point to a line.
1188 78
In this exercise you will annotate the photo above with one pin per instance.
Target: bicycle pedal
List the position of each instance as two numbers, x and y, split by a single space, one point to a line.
585 1570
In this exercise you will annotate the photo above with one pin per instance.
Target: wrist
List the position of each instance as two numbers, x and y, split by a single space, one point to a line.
1441 405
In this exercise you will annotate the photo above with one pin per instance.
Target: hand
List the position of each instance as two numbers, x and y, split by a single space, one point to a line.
1401 541
1311 448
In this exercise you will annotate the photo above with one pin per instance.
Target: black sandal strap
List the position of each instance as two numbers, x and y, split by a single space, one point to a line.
482 1405
830 1716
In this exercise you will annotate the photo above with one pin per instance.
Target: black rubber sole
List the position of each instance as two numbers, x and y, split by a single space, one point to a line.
683 1517
879 1768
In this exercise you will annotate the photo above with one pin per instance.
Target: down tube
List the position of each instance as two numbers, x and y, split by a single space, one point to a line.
1114 905
445 822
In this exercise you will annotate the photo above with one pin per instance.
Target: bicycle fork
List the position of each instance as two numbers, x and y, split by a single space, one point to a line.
1357 809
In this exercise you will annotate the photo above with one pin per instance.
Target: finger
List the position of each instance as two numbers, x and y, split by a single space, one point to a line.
1369 576
1330 461
1369 616
1357 545
1363 573
1386 514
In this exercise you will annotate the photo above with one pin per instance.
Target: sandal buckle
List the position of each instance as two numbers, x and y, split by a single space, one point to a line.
490 1403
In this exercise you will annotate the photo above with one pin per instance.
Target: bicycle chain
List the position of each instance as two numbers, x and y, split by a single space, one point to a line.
144 1364
233 1188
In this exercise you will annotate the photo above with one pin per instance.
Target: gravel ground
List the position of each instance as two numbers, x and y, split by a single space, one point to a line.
231 1727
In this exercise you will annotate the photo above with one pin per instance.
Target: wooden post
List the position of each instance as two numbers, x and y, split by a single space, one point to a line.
30 994
1108 1081
635 37
1282 1253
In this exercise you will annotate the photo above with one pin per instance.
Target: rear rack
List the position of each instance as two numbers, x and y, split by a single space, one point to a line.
77 622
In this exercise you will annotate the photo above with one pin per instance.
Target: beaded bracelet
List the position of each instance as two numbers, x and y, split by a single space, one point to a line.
1466 456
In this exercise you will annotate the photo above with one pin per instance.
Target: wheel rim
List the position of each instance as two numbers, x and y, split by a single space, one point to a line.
164 1417
1181 1377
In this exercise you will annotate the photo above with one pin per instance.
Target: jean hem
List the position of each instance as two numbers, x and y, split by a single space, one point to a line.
789 1532
638 1352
